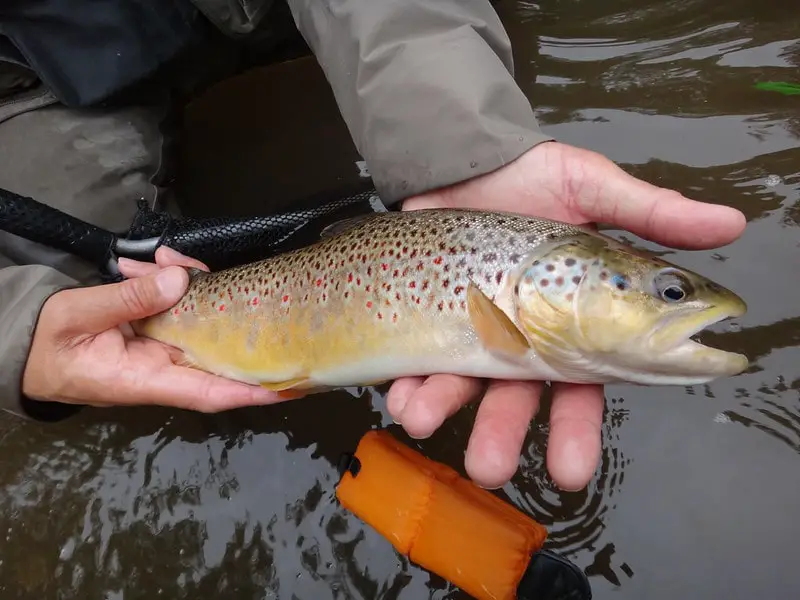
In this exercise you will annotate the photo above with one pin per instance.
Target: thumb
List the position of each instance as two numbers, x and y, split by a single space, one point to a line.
108 306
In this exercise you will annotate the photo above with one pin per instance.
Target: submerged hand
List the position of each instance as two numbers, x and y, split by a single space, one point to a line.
565 183
85 352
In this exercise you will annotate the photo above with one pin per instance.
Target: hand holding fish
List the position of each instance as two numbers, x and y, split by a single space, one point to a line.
564 183
84 351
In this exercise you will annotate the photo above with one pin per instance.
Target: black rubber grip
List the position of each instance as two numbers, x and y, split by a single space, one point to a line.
43 224
222 242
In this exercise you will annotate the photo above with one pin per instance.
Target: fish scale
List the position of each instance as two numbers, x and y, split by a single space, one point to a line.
401 272
401 293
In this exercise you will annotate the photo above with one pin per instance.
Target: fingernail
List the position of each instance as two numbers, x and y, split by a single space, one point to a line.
128 266
171 254
171 282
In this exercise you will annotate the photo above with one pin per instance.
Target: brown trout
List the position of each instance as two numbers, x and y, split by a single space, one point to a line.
483 294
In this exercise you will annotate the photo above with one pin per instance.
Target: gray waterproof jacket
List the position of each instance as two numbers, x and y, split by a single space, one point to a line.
425 87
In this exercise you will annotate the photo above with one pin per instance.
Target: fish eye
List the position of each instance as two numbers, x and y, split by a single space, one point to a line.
672 287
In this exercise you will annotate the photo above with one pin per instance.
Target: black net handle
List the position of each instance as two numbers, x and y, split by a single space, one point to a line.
37 222
218 242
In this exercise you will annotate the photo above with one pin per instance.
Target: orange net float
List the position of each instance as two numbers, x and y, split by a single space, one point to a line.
450 526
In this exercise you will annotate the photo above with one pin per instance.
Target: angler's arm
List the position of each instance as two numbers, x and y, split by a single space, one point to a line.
23 291
426 87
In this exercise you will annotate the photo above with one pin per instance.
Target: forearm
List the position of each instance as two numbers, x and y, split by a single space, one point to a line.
426 87
23 291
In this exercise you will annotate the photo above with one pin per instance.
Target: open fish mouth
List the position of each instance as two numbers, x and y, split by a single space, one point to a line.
687 345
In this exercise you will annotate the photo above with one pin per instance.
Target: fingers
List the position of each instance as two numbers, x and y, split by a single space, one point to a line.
502 422
106 306
608 194
573 449
191 389
165 257
421 405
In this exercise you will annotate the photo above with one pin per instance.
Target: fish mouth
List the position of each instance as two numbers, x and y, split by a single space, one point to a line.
686 350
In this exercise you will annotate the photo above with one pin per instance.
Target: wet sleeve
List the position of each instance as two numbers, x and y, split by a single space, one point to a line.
23 291
426 87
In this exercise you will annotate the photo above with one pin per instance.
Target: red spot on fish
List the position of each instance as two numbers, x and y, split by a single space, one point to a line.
380 316
397 295
358 280
440 306
458 290
396 273
463 305
347 294
438 260
405 271
349 277
214 304
368 288
369 271
405 249
324 297
394 318
418 300
445 283
319 282
384 266
286 298
369 304
221 308
420 266
255 301
413 253
451 305
498 277
176 311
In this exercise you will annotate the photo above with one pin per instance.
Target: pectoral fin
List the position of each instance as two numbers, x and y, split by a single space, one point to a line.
291 389
496 331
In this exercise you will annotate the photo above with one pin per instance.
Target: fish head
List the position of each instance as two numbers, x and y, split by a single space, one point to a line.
594 308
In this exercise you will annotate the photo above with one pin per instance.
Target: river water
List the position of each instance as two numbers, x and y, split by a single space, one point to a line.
698 492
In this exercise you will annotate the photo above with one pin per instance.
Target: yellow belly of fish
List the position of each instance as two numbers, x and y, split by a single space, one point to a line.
310 348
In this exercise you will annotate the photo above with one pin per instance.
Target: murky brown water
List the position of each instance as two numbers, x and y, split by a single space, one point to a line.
699 489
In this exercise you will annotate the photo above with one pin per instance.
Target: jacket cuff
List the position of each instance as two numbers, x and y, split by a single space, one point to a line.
23 292
426 88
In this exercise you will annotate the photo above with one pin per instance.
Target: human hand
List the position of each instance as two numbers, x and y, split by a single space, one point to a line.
85 352
556 181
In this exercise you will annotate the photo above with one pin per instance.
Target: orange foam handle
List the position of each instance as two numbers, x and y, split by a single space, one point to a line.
441 521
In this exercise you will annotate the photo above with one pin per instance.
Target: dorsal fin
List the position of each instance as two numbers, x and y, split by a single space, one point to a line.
342 225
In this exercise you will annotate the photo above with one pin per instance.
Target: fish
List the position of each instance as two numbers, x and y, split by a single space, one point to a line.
486 294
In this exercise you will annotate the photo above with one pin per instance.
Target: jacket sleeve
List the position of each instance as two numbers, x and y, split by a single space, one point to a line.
23 291
426 87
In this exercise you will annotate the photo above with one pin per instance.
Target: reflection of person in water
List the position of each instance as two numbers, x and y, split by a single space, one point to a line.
427 91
